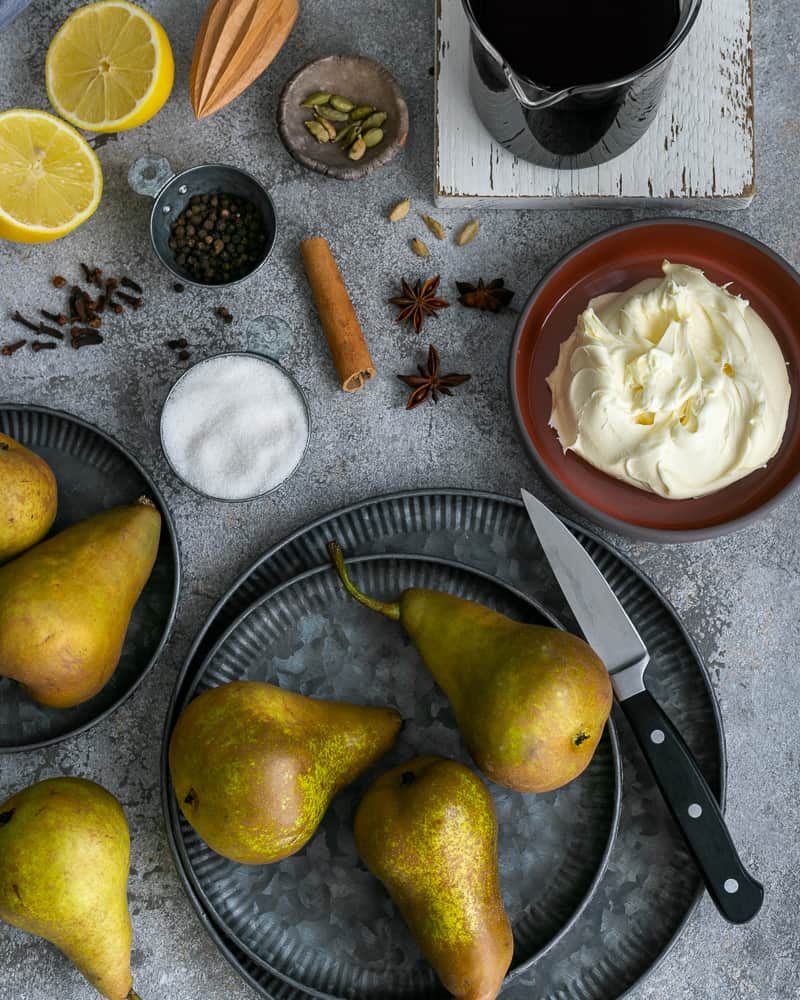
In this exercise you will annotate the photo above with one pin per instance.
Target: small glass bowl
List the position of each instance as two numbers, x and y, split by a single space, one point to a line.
217 357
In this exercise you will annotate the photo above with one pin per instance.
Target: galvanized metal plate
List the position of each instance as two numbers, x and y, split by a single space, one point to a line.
319 918
650 888
94 473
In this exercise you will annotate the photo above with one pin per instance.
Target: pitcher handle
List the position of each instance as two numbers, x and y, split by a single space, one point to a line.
527 102
149 174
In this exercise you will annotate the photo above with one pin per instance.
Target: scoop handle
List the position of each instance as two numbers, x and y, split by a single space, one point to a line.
737 895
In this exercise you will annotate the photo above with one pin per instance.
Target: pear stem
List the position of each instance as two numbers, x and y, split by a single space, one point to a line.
382 607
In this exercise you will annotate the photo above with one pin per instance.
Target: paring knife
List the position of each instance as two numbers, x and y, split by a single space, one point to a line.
609 630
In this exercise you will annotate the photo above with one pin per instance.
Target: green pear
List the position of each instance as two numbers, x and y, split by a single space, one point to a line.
28 498
530 701
428 831
64 859
65 605
255 767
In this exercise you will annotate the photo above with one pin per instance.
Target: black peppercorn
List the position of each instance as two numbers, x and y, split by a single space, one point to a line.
218 238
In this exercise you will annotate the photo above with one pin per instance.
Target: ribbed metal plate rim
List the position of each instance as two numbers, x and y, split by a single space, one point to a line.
616 766
249 971
155 494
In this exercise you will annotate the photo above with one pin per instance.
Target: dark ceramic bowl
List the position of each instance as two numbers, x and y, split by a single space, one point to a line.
613 261
362 80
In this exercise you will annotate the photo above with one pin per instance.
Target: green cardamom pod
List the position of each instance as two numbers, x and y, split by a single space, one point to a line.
341 103
331 114
349 134
362 111
372 137
329 127
317 98
358 149
375 120
317 130
435 227
419 248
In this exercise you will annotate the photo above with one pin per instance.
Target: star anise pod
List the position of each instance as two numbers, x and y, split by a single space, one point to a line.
429 382
492 296
418 302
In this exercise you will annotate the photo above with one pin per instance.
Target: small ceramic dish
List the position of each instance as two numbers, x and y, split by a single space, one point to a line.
361 80
613 261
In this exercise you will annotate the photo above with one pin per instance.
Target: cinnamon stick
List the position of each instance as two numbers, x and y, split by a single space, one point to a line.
348 347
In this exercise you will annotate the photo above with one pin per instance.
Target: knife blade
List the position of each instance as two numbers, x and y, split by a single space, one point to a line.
611 633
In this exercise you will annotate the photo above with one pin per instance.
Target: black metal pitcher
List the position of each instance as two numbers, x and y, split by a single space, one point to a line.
570 127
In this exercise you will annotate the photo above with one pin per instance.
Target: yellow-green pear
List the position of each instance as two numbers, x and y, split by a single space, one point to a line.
65 605
28 498
428 831
530 701
64 859
255 767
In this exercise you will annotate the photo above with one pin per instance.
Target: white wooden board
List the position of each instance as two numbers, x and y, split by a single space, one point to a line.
698 151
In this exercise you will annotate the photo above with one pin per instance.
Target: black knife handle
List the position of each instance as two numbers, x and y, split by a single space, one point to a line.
736 893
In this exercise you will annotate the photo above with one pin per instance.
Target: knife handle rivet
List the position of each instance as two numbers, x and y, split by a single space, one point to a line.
730 885
695 811
657 736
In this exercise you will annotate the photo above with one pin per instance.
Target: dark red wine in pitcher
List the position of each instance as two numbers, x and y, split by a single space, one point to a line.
561 43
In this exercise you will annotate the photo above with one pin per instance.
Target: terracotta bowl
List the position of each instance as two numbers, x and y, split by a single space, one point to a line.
362 80
613 261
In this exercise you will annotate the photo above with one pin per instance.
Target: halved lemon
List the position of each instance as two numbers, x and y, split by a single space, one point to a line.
50 177
109 67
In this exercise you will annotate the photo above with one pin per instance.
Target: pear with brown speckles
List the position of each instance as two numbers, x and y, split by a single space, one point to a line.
255 767
428 831
64 860
28 498
530 701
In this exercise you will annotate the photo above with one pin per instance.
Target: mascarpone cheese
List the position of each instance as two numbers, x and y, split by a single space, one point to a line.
675 386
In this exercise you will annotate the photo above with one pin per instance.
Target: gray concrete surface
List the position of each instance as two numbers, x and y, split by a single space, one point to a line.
738 595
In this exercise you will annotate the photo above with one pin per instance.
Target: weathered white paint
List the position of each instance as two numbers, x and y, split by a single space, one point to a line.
699 150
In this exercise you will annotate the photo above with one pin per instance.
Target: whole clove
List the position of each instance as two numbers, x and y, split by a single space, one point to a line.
133 285
116 308
101 304
8 349
59 318
86 338
58 281
51 331
223 314
19 318
175 345
130 300
43 345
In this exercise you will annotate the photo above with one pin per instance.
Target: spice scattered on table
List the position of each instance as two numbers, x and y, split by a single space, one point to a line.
419 302
434 226
337 119
419 248
218 238
468 232
8 349
346 342
491 296
83 312
179 287
224 314
400 210
429 383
